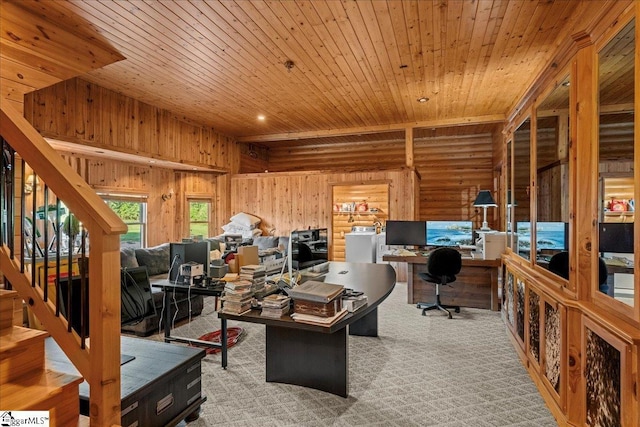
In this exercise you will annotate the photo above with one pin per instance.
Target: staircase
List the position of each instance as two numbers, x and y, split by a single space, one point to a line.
27 385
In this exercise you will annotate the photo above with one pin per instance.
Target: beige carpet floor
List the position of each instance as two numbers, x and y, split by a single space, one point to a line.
420 371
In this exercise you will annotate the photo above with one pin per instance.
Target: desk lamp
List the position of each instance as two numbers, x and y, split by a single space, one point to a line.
484 200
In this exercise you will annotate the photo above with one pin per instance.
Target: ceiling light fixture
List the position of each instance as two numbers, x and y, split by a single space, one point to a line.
289 64
261 117
423 99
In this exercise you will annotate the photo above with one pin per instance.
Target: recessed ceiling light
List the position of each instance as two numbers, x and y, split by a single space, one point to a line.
423 99
261 117
152 161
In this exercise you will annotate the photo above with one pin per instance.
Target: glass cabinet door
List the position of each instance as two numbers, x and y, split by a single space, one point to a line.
522 189
552 180
616 159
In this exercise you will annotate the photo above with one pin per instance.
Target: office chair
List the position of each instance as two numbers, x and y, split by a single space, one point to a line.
442 267
559 264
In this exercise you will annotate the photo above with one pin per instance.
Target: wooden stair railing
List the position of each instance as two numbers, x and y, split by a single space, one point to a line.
99 360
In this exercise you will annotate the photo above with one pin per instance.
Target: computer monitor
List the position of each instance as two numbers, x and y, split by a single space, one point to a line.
552 236
616 237
182 253
135 295
449 233
523 233
406 233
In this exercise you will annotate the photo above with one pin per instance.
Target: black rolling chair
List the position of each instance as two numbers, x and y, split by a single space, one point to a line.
559 264
442 267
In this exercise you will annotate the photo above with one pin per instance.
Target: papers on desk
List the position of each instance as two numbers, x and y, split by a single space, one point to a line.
317 320
403 252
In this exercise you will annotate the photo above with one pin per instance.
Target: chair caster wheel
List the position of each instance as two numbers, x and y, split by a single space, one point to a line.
457 309
450 316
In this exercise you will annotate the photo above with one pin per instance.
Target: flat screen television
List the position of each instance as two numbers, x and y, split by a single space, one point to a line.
135 295
449 233
406 233
616 237
182 253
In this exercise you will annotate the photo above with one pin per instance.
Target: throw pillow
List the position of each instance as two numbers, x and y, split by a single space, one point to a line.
128 258
156 259
245 220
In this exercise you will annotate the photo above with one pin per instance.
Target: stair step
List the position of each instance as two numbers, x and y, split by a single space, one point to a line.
21 351
45 391
7 308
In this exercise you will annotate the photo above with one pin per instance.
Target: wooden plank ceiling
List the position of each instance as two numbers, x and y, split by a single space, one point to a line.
357 65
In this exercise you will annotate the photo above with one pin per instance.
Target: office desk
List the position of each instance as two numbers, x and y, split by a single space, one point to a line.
318 356
168 288
476 285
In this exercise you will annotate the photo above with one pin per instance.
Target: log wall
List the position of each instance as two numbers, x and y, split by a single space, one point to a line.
453 165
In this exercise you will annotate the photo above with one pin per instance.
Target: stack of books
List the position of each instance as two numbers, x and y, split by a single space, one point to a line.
256 274
275 306
317 303
354 302
237 297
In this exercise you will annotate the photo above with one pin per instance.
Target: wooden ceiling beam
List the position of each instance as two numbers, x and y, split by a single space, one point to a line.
495 118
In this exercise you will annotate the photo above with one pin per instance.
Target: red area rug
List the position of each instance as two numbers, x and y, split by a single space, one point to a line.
233 336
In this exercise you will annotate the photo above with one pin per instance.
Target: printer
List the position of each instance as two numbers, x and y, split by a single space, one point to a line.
490 245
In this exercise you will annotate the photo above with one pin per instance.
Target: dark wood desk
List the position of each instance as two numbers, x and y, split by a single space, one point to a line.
476 285
317 356
168 288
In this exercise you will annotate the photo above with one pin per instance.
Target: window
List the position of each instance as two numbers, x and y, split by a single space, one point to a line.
199 214
133 211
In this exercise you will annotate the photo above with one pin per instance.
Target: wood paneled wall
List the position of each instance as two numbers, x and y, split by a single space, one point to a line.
165 219
77 111
290 201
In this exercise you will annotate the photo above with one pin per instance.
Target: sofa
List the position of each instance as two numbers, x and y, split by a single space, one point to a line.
156 260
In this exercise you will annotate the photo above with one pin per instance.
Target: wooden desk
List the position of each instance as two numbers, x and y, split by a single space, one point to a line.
476 285
318 356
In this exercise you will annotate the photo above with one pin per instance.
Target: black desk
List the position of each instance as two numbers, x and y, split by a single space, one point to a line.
168 288
318 356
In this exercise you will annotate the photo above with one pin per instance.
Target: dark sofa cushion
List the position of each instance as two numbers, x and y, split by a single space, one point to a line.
156 259
266 242
128 258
